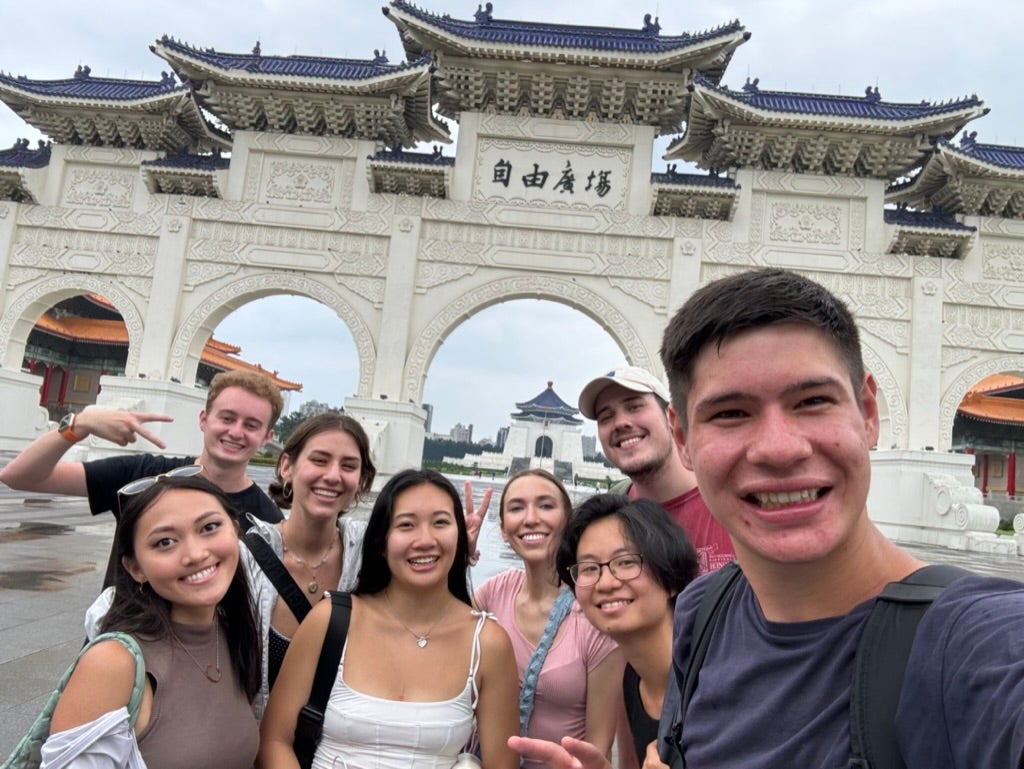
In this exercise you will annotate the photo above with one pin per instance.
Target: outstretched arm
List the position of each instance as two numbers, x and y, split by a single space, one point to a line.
38 467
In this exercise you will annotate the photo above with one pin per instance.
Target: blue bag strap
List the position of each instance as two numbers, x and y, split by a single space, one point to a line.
559 611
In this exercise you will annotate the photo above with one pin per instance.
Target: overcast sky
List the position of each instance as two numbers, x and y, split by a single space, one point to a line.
936 50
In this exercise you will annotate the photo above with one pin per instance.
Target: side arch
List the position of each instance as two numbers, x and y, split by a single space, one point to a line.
197 327
966 379
895 412
20 317
566 292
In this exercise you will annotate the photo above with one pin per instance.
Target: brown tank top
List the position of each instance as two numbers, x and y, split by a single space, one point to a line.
195 722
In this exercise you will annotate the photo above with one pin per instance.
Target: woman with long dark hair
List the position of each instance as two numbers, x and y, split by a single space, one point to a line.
419 664
180 593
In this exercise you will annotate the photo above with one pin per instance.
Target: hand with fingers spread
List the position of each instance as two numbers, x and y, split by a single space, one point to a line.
475 518
120 427
570 754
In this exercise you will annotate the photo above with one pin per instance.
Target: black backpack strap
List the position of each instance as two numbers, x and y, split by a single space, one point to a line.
716 596
311 718
881 661
277 574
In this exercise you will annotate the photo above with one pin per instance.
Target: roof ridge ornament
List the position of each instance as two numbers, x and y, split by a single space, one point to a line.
82 72
651 27
484 14
380 57
256 50
751 85
872 95
968 140
167 79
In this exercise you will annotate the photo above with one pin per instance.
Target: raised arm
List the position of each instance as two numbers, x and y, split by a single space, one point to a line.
38 466
475 518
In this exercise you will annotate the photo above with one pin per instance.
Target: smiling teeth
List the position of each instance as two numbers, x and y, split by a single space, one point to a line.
200 575
780 499
424 560
327 493
628 442
613 604
532 537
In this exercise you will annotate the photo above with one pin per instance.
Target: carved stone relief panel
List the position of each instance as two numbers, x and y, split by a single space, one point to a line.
106 187
805 221
299 182
94 252
650 292
431 274
1003 261
889 387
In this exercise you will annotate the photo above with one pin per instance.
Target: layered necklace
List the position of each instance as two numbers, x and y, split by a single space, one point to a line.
214 676
421 638
314 585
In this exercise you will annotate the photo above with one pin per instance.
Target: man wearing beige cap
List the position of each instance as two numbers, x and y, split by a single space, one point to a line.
630 406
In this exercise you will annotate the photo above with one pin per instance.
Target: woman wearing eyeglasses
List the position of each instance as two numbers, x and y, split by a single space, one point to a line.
418 665
569 672
324 467
179 592
627 562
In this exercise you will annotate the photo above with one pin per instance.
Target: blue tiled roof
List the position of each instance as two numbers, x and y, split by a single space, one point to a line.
84 86
191 162
699 180
20 156
936 220
548 402
994 154
434 158
486 28
870 106
295 66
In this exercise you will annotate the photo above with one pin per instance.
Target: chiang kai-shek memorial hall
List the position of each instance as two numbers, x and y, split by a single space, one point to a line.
237 176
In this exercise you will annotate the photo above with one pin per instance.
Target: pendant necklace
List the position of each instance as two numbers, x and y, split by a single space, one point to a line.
313 586
215 676
421 638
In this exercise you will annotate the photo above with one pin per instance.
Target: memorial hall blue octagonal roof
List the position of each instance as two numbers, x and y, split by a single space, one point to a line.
867 107
504 32
294 66
547 405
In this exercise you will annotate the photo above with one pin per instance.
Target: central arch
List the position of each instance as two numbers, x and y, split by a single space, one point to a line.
567 292
189 341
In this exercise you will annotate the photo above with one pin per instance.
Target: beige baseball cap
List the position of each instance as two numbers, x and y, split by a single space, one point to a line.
631 377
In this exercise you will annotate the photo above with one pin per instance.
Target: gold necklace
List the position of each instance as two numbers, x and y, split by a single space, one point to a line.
211 677
313 586
421 638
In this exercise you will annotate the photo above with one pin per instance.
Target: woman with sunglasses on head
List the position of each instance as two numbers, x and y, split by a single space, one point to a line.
569 672
179 592
626 561
418 664
324 467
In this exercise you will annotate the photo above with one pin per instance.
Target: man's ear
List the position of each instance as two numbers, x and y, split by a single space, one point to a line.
202 421
268 437
679 435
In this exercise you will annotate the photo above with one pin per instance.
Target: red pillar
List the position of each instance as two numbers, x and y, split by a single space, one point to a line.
62 393
1011 475
44 391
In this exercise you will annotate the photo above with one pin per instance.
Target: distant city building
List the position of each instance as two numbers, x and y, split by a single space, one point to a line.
462 433
499 443
428 425
589 445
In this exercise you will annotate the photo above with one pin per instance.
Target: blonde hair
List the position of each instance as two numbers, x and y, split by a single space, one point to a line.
259 385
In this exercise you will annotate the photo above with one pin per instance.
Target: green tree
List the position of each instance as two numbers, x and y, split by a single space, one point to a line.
289 422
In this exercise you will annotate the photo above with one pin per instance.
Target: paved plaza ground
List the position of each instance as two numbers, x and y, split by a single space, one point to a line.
52 557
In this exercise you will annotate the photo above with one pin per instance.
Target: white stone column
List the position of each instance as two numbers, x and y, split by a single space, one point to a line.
639 196
22 419
8 217
393 344
396 433
466 149
162 314
924 366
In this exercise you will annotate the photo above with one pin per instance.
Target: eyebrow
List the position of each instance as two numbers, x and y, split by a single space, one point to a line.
793 389
200 520
626 548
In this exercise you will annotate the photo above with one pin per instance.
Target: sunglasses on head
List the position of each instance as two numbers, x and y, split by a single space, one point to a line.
141 484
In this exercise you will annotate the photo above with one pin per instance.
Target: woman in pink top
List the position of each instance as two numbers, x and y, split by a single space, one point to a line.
569 672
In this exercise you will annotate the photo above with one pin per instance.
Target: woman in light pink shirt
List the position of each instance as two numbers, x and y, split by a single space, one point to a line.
575 687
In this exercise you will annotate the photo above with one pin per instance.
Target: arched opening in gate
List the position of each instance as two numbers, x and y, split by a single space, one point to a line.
989 425
506 381
72 344
300 342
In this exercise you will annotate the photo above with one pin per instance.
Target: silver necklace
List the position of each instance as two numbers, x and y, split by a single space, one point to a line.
421 638
313 586
215 676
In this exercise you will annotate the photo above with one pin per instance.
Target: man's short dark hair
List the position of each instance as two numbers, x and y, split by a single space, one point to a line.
747 301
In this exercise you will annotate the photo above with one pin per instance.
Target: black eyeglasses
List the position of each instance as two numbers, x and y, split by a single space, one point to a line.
623 567
141 484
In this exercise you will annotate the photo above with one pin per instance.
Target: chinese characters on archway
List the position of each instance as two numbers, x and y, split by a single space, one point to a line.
564 181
